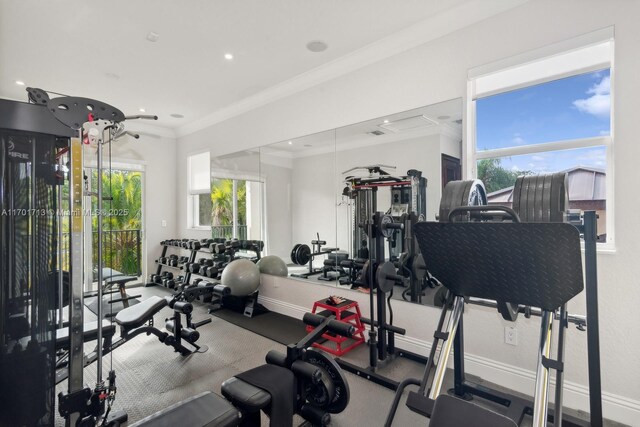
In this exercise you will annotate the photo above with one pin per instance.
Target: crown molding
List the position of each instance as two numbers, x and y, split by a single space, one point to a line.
437 26
139 126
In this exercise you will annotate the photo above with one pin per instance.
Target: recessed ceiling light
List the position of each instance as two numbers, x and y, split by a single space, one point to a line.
290 142
19 82
177 116
386 121
142 110
443 117
153 37
228 56
317 46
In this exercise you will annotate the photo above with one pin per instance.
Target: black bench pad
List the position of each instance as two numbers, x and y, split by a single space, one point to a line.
244 395
203 410
450 411
137 315
90 333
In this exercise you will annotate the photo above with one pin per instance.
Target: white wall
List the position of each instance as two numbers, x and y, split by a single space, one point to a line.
157 155
277 176
436 72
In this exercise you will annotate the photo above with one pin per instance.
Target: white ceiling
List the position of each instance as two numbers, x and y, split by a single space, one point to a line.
98 49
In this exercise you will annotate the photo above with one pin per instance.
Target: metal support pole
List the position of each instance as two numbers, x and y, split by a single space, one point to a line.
60 236
373 357
76 305
593 328
445 350
541 398
99 260
563 324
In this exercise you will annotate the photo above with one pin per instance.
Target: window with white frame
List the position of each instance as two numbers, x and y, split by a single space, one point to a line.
236 205
548 113
200 203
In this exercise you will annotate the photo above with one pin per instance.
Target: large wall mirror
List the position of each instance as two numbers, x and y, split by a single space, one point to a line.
307 215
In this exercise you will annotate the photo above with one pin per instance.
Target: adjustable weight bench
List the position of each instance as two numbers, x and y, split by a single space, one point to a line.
133 321
89 333
111 306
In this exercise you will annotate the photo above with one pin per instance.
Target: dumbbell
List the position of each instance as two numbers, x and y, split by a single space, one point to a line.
194 268
234 244
211 272
168 283
218 248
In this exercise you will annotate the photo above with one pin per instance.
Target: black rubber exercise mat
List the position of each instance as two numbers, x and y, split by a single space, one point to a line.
275 326
538 265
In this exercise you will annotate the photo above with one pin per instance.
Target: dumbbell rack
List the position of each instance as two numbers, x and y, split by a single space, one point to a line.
160 265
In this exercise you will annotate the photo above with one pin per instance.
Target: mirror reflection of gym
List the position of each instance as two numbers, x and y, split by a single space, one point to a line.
423 144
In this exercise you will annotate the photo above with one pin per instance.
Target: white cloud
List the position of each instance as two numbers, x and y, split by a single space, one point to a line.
605 132
599 103
537 158
517 140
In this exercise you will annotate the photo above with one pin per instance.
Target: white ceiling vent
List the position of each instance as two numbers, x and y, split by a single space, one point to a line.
410 123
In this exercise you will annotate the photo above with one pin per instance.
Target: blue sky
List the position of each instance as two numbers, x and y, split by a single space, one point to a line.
569 108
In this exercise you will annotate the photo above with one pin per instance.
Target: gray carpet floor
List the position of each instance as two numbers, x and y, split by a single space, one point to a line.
150 376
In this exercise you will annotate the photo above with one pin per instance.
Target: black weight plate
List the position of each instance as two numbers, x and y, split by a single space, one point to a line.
539 215
303 254
386 232
516 198
332 372
73 111
457 197
449 193
546 198
524 191
558 197
293 253
445 201
531 198
382 272
465 197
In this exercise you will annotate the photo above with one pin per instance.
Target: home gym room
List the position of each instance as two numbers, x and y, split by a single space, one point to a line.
362 213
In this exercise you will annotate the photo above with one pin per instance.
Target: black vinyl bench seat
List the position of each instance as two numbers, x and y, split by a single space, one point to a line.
245 396
90 333
203 410
139 314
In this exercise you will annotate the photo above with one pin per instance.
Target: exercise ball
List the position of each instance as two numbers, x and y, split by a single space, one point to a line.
273 265
241 276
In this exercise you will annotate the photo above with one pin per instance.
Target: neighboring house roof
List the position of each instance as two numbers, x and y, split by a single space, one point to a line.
584 184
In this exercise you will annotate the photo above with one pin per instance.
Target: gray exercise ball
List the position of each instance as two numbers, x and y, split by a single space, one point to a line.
241 276
273 265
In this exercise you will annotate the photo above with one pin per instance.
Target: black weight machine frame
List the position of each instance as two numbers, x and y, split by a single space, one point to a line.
466 389
519 407
381 343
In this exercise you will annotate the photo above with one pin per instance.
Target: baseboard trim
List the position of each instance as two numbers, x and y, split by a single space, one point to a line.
576 396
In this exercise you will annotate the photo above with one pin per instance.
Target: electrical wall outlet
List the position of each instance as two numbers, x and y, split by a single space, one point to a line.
510 335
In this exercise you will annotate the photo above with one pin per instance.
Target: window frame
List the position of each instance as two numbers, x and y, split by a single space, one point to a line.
193 200
472 154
